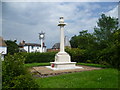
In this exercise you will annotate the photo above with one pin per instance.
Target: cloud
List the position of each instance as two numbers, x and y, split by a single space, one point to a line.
24 20
113 12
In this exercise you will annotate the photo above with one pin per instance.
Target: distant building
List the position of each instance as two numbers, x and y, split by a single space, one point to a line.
67 42
31 47
56 46
3 48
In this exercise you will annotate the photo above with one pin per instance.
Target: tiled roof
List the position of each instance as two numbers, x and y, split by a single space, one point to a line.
30 44
56 46
2 42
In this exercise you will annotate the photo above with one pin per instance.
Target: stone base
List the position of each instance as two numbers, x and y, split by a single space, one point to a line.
62 57
63 65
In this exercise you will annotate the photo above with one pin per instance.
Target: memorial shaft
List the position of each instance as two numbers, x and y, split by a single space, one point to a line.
61 38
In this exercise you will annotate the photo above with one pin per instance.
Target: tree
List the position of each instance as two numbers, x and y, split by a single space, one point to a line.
107 34
87 42
106 26
12 47
74 42
103 46
83 41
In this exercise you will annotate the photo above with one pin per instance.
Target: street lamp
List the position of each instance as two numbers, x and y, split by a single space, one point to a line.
41 37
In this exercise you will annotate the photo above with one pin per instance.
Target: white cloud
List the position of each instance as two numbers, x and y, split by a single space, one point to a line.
113 12
26 20
60 0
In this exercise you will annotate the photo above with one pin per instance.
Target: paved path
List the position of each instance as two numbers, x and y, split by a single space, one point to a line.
42 71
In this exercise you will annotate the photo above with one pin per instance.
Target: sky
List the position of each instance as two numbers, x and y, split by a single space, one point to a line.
24 20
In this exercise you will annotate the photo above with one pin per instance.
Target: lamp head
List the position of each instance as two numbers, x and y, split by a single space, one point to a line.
41 35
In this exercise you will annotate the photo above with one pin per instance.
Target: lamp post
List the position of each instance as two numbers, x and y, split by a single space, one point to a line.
41 37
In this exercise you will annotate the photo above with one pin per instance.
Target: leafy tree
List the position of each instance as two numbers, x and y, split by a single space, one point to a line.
103 46
83 41
74 42
107 34
12 47
106 26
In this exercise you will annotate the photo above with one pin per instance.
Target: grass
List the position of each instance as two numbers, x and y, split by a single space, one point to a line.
105 78
93 65
48 64
36 64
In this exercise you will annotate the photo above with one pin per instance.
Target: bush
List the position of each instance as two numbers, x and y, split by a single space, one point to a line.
12 47
88 61
39 57
24 81
109 56
77 55
14 72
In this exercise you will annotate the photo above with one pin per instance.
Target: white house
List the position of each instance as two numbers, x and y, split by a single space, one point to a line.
31 47
3 48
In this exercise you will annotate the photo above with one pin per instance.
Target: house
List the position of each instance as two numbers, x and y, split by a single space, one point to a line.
31 47
3 48
56 46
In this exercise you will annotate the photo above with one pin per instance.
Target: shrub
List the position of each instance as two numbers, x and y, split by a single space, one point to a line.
88 61
12 47
24 81
109 56
77 55
14 72
39 57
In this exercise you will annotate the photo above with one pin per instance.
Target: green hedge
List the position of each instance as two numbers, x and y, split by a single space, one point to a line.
39 57
77 55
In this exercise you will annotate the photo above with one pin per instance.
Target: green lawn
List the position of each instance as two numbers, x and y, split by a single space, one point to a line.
36 64
93 65
47 64
104 78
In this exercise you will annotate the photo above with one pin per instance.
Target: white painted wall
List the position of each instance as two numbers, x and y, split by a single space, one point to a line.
3 50
34 49
26 48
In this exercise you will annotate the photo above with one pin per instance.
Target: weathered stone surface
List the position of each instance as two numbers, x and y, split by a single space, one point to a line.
42 71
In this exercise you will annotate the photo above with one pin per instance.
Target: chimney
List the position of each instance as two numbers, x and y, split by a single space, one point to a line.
22 42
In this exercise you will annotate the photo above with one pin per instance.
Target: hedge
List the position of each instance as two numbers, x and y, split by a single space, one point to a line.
77 55
38 57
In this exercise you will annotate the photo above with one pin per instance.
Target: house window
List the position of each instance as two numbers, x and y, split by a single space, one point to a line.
32 47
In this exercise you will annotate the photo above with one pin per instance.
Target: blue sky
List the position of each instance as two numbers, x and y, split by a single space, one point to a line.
24 20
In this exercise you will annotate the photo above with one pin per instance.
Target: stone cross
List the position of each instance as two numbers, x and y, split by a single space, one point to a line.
62 24
62 58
